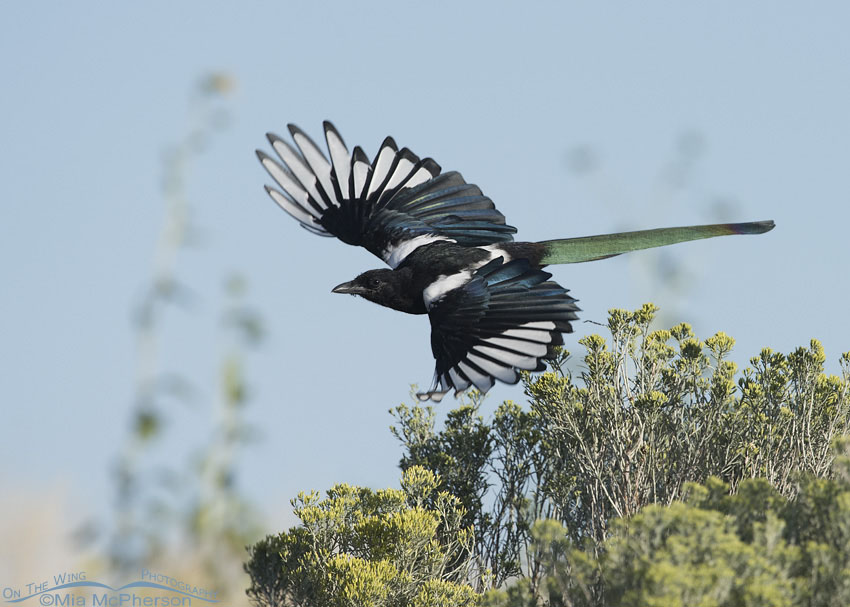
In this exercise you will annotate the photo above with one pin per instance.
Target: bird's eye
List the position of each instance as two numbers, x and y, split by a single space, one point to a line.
374 283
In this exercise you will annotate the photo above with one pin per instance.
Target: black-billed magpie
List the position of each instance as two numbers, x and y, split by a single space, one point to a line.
493 310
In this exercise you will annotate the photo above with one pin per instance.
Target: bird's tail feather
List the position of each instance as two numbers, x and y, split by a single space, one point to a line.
592 248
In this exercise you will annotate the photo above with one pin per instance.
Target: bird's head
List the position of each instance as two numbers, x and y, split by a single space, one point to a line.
390 288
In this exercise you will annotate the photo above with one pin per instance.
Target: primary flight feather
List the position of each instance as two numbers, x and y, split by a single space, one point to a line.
493 310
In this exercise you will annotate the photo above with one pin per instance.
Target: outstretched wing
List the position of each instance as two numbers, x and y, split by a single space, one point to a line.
389 206
506 317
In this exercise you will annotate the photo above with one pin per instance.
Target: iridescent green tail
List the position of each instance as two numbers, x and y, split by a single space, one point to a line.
591 248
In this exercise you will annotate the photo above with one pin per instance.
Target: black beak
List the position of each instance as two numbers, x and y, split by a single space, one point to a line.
349 288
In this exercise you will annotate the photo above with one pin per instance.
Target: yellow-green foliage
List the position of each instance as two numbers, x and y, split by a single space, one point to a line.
647 473
646 416
714 549
390 547
628 425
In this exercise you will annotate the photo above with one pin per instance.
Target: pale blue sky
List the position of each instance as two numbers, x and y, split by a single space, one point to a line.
93 92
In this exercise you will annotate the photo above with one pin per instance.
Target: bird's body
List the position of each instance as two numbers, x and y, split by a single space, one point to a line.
434 268
493 310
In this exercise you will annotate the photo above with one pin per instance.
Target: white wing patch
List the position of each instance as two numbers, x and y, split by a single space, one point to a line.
340 158
361 174
481 381
300 170
420 177
512 359
438 289
310 184
395 254
383 162
401 172
545 325
496 358
503 373
458 382
316 160
496 250
542 337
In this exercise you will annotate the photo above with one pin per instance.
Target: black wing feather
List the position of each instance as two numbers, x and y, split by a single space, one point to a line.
378 205
508 317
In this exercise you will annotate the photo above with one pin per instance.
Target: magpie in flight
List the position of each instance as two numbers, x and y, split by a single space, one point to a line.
493 310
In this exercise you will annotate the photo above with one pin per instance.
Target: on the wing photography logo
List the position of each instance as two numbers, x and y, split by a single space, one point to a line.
74 589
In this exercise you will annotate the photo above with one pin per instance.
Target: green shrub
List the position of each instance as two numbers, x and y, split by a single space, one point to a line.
392 547
630 425
648 473
751 548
